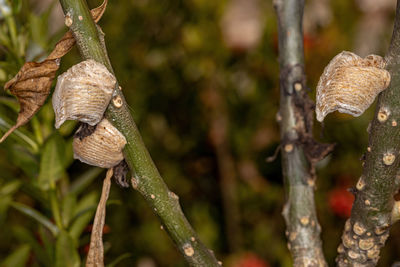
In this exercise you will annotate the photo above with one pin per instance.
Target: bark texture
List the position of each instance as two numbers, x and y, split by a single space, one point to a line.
146 178
367 229
299 150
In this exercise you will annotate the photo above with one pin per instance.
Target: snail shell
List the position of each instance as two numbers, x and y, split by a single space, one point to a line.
83 93
349 84
102 148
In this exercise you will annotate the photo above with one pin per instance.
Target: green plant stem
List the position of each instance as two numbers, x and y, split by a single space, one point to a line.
296 117
37 130
218 118
367 229
12 27
146 178
55 208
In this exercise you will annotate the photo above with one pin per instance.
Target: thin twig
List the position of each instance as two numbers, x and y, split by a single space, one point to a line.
146 178
297 143
218 117
367 229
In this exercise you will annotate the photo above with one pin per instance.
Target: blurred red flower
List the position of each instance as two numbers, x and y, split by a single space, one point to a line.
341 202
250 260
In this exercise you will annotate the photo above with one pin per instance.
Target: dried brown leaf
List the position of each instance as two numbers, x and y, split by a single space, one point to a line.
98 12
62 47
32 83
95 256
68 41
31 86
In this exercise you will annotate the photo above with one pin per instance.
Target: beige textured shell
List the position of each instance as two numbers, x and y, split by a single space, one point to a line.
349 84
103 148
83 93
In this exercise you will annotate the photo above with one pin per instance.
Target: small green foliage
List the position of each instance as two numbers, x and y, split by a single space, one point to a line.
66 251
52 162
18 258
34 214
54 217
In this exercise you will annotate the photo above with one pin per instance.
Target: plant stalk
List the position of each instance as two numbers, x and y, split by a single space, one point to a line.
218 119
55 208
368 228
296 118
146 178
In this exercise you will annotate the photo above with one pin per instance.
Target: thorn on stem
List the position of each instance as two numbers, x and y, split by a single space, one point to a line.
68 20
383 114
388 158
188 250
134 183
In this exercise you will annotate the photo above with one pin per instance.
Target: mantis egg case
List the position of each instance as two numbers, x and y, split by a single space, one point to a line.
102 148
350 84
83 93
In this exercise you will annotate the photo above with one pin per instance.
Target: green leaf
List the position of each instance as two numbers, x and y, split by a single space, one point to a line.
67 128
37 129
68 153
23 159
48 244
21 136
46 118
18 258
9 188
16 6
4 39
3 77
6 192
84 180
52 161
67 210
34 214
34 192
10 68
4 204
25 236
119 259
22 43
83 214
10 102
38 28
66 251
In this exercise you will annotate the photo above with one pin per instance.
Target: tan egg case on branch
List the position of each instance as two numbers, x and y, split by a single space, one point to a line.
350 84
102 148
83 93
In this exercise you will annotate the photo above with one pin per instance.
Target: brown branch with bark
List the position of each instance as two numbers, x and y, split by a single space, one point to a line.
146 178
218 118
367 229
300 151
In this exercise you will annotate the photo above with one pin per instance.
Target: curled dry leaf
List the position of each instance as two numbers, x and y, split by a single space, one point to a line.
350 84
32 83
31 86
98 12
95 256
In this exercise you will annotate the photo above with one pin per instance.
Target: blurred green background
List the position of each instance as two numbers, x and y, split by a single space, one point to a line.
201 78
